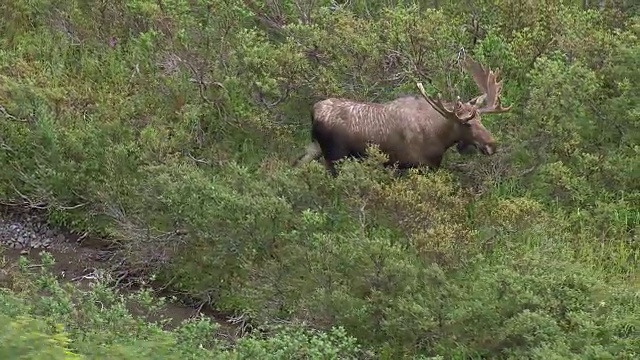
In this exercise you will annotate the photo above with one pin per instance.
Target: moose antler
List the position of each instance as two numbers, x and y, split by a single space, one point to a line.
486 81
441 108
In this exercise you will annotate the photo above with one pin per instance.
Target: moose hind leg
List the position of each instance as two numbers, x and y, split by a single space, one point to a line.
332 151
331 168
334 147
312 152
331 154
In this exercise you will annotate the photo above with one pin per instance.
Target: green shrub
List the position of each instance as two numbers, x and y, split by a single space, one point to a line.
168 127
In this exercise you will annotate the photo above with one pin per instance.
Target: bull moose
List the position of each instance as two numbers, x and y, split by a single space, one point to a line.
412 131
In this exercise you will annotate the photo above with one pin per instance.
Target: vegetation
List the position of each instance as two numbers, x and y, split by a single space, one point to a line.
169 126
42 318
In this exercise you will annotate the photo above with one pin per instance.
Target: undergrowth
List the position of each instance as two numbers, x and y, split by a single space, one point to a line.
169 127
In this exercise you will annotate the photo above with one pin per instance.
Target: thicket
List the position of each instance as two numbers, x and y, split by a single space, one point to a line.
169 126
40 318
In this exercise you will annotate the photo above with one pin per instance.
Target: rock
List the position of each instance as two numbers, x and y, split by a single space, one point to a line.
26 231
23 240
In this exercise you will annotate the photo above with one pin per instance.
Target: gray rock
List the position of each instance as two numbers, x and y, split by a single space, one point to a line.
25 231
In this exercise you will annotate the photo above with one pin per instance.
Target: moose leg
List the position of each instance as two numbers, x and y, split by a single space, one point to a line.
401 172
331 168
332 153
399 169
423 169
312 152
332 146
435 162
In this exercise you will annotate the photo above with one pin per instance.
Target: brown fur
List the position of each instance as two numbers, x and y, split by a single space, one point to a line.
412 131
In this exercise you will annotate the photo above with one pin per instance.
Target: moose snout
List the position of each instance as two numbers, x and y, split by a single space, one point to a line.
489 148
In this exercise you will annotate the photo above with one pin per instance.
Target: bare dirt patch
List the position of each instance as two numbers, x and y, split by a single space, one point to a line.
80 259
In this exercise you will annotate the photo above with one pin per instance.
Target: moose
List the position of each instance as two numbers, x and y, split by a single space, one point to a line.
412 131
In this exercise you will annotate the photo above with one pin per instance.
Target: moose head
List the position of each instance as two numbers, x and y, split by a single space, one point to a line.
467 115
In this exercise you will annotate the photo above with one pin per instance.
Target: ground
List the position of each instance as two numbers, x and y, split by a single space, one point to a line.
80 259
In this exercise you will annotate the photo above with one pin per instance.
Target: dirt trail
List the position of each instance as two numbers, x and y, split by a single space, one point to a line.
78 260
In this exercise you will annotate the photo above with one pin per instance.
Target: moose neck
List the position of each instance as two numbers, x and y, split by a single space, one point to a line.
453 134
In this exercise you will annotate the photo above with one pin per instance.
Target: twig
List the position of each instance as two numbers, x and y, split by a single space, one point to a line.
275 103
274 24
136 71
202 304
41 205
202 161
199 79
60 207
82 237
4 146
8 116
528 171
123 275
90 276
461 55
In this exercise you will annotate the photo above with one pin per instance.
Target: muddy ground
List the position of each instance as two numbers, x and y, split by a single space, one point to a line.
79 259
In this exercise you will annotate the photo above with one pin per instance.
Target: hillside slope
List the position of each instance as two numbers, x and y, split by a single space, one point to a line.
168 128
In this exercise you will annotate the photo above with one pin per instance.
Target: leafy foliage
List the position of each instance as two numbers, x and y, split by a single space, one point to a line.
168 126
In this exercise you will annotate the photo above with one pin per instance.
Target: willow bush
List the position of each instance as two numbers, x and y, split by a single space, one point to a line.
169 127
